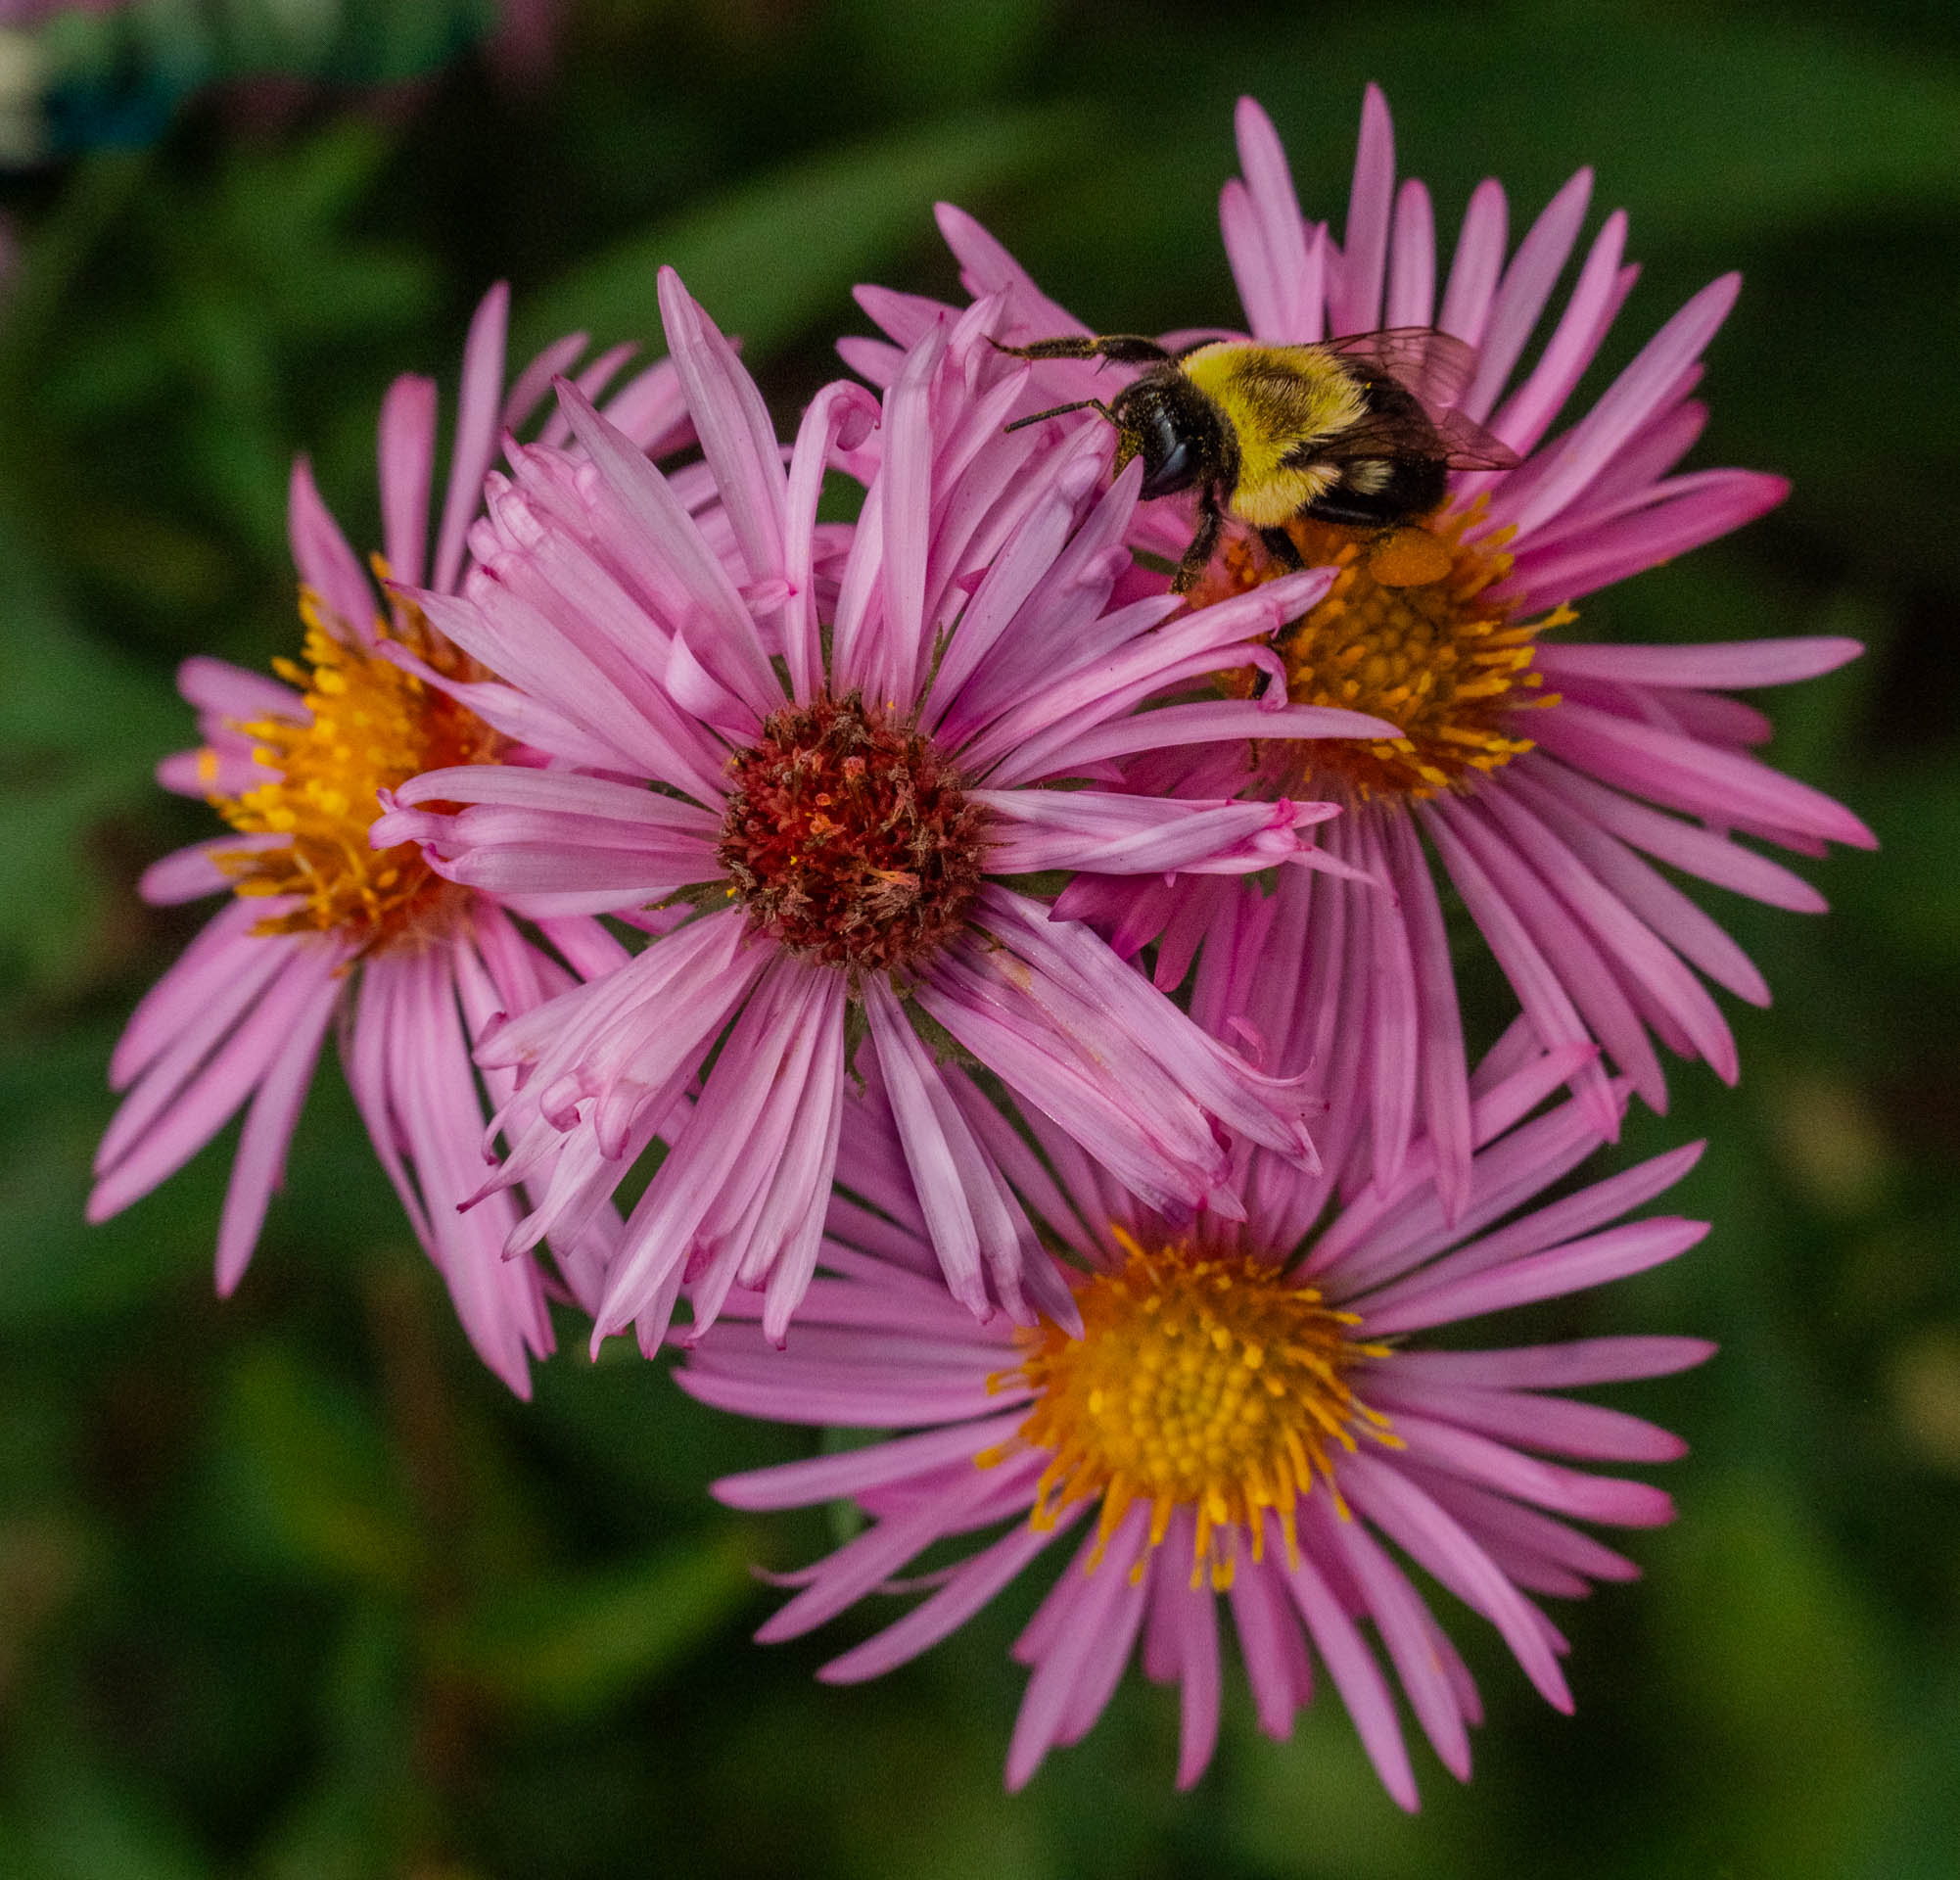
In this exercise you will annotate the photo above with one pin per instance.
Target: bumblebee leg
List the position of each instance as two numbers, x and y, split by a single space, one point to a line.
1282 547
1210 521
1062 410
1125 349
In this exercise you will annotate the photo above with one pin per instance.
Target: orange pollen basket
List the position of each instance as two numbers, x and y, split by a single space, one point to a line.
1404 633
368 725
1204 1380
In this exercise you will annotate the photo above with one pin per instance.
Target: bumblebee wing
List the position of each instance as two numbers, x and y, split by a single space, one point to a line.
1450 439
1379 434
1435 367
1471 446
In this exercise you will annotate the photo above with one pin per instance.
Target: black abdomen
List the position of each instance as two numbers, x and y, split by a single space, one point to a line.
1378 491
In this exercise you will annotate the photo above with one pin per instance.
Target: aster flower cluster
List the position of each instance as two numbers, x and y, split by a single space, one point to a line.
1026 987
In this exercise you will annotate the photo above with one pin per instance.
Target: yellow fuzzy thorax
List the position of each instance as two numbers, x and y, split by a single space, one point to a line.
1204 1380
1275 398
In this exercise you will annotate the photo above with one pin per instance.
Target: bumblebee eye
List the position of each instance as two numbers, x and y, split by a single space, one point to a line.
1168 460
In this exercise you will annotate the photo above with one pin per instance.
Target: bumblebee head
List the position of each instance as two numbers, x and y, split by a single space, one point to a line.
1173 427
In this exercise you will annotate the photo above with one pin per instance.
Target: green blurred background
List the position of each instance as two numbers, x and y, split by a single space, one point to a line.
289 1587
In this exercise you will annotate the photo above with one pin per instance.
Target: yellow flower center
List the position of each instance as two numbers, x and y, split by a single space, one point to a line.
1404 633
1203 1379
369 726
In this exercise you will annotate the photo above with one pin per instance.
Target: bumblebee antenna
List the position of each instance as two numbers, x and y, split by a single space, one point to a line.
1062 410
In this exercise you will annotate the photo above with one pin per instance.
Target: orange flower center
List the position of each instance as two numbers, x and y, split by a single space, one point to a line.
368 725
1203 1379
1404 633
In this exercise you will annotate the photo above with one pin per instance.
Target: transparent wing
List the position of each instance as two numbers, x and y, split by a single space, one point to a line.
1450 439
1435 367
1470 446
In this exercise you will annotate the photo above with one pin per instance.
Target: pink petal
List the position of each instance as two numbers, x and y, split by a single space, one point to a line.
1446 1103
1412 261
733 426
1574 1268
663 529
1400 1618
1359 1680
975 1582
260 1166
1095 1603
1571 1491
1526 289
326 564
1685 513
1645 962
1685 774
217 686
190 873
1443 1548
405 441
477 406
1720 665
1279 281
1354 305
1629 402
1686 846
1560 1366
1538 986
1276 1659
1529 414
1478 265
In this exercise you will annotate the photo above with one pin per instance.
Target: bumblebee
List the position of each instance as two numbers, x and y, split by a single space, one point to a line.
1359 431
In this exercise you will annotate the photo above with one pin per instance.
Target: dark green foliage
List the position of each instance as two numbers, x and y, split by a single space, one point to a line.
289 1589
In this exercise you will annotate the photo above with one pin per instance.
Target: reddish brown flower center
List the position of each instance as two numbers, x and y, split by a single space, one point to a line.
850 837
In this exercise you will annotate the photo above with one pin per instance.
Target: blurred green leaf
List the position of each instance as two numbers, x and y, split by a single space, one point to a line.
1312 1809
1911 905
645 1445
768 258
44 1559
1713 126
181 322
930 51
311 1465
79 735
1715 131
340 1828
570 1647
54 1268
1770 1655
78 1820
1912 1831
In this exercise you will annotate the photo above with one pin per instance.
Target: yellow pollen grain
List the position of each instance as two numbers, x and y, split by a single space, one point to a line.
1431 655
1204 1380
368 725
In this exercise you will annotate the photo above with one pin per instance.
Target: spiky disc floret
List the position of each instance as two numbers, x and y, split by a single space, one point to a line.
850 838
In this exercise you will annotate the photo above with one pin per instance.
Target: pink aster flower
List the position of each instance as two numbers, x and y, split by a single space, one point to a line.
321 927
1248 1416
841 787
1545 777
